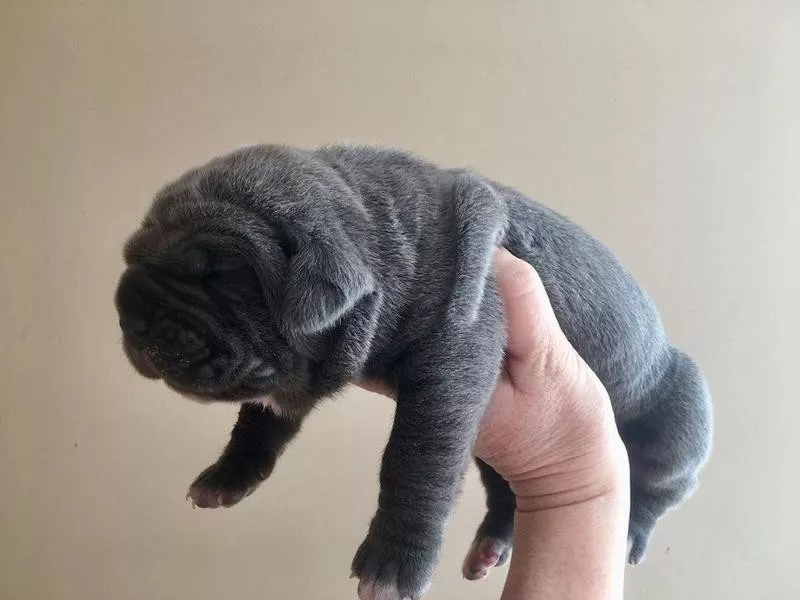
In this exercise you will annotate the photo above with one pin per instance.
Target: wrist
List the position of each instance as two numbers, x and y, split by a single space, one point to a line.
574 551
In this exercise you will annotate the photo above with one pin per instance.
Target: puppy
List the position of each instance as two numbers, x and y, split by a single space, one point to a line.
272 277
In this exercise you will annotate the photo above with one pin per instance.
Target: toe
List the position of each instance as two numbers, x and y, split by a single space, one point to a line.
203 497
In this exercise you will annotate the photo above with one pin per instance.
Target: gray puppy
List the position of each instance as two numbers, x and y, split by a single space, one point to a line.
273 276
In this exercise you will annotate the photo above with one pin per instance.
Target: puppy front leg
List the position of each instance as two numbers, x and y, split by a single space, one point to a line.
435 425
257 440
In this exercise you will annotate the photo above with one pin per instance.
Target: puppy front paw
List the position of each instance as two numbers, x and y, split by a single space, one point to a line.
225 483
396 570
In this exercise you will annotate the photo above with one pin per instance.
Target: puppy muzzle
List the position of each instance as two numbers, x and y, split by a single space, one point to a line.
167 337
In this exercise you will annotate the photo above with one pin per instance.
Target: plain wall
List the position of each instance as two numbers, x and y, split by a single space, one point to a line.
668 129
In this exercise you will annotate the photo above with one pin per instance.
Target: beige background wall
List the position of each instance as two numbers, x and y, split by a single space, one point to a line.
668 129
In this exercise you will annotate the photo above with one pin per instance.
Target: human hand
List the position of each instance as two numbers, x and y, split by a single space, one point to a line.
549 429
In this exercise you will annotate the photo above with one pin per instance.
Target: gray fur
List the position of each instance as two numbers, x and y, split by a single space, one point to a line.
282 273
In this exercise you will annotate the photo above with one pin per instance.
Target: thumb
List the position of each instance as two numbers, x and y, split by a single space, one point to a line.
531 323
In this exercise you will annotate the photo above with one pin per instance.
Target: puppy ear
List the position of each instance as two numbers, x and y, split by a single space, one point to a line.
324 281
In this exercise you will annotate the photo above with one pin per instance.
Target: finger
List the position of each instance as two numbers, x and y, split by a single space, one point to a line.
531 322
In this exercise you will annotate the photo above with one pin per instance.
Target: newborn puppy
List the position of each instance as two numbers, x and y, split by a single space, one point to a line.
272 277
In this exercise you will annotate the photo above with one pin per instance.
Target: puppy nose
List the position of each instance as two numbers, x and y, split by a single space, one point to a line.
133 325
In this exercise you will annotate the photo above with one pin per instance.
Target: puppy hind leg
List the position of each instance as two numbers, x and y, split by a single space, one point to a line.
492 545
667 446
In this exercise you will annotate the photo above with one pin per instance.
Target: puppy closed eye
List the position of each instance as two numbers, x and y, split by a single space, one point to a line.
200 263
218 266
287 245
197 263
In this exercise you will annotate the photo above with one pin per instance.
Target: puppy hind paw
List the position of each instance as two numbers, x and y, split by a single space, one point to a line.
637 545
485 554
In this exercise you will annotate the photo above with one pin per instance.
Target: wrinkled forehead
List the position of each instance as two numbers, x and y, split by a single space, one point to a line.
174 226
196 240
235 203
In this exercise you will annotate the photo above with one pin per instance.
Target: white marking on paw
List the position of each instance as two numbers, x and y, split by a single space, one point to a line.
372 590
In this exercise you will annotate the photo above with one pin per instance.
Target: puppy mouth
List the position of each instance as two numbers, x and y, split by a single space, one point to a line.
215 380
158 359
139 360
198 367
210 371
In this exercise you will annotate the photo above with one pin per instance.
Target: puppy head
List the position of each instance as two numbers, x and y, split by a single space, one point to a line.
221 295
